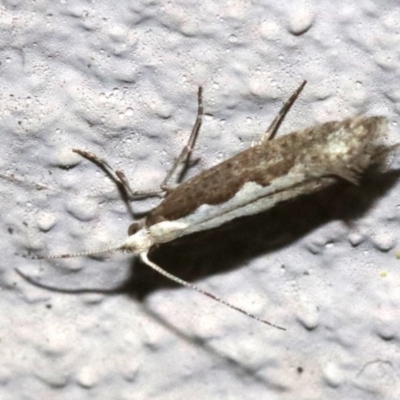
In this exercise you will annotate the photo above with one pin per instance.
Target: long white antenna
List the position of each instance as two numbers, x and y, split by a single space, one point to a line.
174 278
72 255
143 256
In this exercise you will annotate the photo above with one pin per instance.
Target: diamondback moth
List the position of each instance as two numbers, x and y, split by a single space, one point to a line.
272 171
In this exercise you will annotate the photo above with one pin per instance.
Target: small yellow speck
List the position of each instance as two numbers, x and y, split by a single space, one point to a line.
398 254
383 274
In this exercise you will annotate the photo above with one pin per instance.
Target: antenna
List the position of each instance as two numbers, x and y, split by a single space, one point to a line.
174 278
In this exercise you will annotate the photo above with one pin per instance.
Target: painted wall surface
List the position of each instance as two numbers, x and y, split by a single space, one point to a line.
119 78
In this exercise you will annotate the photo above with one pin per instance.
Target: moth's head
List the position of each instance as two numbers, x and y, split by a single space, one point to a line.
139 240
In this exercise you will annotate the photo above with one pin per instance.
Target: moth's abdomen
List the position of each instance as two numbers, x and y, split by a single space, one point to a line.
346 148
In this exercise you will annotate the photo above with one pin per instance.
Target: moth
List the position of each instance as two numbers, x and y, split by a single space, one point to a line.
270 172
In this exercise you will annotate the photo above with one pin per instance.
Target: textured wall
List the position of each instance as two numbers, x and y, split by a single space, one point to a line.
119 78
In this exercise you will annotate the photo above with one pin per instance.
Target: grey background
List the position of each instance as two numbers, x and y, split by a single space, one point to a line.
120 79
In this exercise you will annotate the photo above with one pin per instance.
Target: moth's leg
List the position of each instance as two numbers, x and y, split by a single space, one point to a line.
187 150
107 169
118 177
276 123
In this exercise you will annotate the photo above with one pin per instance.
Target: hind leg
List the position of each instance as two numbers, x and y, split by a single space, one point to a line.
276 123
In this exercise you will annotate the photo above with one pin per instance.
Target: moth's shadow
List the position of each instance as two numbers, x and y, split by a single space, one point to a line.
229 247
